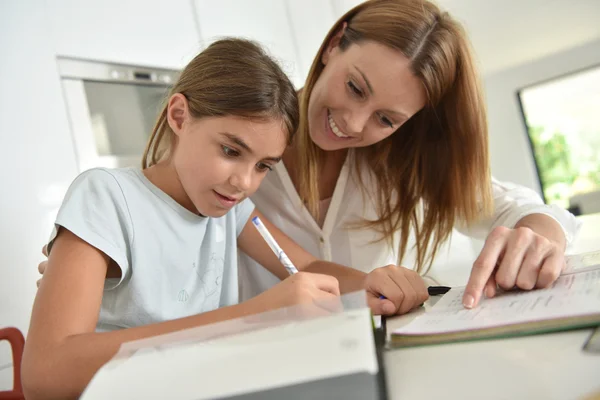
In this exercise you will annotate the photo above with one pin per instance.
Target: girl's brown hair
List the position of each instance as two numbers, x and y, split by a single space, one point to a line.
230 77
434 170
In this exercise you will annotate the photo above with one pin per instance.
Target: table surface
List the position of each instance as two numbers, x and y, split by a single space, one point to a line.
550 366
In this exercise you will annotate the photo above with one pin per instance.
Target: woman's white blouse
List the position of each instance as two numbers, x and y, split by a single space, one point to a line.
278 200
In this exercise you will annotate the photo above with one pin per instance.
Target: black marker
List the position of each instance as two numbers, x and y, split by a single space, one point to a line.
437 290
432 290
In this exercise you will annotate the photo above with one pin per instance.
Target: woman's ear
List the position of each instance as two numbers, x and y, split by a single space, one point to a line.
334 42
177 112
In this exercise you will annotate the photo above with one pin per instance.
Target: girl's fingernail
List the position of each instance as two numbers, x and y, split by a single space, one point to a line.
388 308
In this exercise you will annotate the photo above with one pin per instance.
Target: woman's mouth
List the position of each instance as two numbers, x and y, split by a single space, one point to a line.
333 130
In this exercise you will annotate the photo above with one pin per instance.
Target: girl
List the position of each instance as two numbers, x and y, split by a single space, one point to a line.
392 154
138 253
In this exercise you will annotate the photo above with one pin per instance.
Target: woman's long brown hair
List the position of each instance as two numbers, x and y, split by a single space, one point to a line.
434 170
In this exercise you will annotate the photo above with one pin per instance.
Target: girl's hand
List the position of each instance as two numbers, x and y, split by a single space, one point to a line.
513 258
403 289
319 293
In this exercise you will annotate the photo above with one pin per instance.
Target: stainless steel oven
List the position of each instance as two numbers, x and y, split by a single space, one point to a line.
112 109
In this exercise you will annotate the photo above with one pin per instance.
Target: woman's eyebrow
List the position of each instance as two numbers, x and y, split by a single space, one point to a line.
365 78
398 114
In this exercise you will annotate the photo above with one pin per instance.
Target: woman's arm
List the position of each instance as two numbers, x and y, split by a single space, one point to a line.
513 203
545 226
525 241
63 351
532 255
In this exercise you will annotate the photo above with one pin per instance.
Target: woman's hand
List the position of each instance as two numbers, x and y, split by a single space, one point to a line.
514 258
43 264
404 290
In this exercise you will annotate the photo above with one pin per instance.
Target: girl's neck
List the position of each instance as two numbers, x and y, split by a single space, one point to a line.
164 176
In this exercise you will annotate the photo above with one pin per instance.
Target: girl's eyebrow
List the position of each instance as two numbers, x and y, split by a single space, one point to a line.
240 142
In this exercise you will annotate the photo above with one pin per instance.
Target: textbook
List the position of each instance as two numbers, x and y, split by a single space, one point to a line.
572 302
290 353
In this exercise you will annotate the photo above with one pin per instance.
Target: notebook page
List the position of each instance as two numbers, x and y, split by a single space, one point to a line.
576 262
571 295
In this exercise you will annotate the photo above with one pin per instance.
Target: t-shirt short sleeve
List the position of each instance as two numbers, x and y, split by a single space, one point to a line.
95 210
242 214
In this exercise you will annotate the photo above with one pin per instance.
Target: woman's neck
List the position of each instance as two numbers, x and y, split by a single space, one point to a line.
329 170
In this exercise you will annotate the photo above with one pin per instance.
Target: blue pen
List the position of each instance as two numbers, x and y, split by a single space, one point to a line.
283 258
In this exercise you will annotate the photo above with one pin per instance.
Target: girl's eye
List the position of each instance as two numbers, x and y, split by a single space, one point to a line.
385 121
355 89
229 152
262 167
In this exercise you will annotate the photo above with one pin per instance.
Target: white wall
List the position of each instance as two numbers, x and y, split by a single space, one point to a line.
37 156
507 33
510 152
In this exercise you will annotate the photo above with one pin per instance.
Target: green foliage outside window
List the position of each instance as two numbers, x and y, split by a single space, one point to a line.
564 172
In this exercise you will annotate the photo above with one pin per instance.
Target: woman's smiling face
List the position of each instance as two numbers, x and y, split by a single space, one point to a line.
363 95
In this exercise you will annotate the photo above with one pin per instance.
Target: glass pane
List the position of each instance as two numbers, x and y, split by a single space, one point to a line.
563 120
123 116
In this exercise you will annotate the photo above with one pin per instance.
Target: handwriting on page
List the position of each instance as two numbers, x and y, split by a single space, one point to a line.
571 295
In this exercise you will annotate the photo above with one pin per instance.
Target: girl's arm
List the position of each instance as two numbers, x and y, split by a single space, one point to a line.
63 351
252 243
403 288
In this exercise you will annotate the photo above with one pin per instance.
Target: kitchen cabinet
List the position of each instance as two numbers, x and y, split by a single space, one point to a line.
265 21
140 32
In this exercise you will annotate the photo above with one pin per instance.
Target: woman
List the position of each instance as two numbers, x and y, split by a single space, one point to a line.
392 153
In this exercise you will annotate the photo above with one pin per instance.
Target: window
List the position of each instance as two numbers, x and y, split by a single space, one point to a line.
563 123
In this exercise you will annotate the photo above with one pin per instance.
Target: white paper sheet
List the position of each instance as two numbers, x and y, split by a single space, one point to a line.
575 294
582 260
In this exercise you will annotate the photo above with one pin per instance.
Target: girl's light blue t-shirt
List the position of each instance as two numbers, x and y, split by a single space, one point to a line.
174 263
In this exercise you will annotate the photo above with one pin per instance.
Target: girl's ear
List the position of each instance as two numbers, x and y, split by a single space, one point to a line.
177 112
334 42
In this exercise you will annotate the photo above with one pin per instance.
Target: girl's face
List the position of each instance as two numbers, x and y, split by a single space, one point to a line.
219 161
363 95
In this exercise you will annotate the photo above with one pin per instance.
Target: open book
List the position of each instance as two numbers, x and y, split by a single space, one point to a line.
573 301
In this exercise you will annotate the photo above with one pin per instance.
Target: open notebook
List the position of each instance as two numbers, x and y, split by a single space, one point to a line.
572 302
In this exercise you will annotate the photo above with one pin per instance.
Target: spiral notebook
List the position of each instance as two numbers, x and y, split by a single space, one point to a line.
572 302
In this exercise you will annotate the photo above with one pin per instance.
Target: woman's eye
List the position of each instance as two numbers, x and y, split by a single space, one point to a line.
264 167
385 121
229 152
355 89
